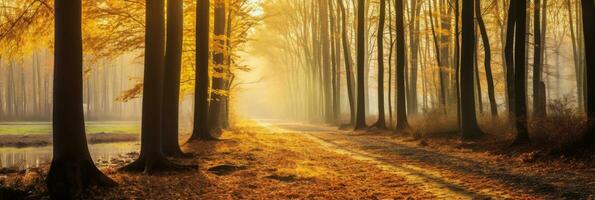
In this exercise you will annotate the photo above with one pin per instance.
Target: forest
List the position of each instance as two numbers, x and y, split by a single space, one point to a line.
297 99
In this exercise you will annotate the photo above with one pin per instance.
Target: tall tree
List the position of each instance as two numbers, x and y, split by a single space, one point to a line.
402 122
171 80
381 123
588 10
347 56
151 157
360 121
202 77
326 61
218 90
520 96
509 58
469 126
72 169
538 96
413 63
488 58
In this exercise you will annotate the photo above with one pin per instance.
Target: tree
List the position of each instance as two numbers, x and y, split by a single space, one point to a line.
171 80
469 127
520 96
538 93
202 85
360 121
151 157
72 169
381 123
402 122
509 58
488 58
326 62
218 90
588 10
347 56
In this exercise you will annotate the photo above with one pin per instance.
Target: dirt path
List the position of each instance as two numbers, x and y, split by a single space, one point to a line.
457 174
270 159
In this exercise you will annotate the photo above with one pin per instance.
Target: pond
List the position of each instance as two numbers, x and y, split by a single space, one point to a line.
24 158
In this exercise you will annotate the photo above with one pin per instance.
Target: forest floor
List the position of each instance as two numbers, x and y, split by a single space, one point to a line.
270 159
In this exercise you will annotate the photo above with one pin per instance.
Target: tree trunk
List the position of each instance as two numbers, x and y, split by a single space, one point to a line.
171 79
439 62
469 126
538 103
217 92
522 136
509 55
488 58
201 91
151 156
588 10
72 169
347 56
414 42
360 122
401 106
381 123
326 61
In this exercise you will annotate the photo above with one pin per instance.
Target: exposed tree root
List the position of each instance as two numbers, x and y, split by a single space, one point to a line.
152 165
68 180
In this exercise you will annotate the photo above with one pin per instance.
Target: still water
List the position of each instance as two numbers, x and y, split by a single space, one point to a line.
23 158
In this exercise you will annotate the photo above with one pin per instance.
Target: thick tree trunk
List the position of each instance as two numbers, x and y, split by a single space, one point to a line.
151 156
588 10
171 80
509 55
201 91
522 136
488 58
402 122
360 122
381 123
72 169
217 92
469 126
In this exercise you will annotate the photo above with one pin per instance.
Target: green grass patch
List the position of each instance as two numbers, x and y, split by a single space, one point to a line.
41 128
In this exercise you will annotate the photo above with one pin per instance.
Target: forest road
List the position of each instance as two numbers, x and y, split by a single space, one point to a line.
446 174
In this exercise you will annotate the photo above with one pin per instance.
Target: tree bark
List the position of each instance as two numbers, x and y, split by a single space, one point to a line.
488 58
72 169
360 122
347 56
202 77
381 123
538 103
588 10
469 126
522 136
402 122
171 80
217 91
151 157
509 55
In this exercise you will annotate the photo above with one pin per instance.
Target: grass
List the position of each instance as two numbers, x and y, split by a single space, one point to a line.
43 128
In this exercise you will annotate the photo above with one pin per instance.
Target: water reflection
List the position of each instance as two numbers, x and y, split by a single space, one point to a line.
23 158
